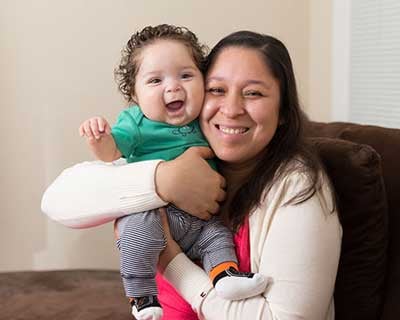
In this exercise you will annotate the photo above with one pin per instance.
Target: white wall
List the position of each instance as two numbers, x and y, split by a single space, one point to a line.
57 60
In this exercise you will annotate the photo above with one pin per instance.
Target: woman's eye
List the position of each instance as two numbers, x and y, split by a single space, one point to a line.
253 93
154 81
216 90
187 76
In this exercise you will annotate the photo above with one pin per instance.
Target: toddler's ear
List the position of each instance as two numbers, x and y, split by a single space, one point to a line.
134 98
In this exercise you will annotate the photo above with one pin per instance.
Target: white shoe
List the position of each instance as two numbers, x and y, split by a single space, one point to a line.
146 308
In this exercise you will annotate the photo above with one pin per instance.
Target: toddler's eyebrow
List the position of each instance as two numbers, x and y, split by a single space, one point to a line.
190 67
157 72
150 73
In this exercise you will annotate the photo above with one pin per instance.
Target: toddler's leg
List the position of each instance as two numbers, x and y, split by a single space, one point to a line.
140 243
217 252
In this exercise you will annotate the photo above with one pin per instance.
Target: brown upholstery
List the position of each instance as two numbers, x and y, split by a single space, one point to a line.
386 142
356 174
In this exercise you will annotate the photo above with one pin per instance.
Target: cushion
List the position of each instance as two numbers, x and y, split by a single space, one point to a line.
356 175
387 143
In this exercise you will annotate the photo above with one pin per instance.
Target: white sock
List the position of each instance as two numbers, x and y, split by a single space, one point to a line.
237 286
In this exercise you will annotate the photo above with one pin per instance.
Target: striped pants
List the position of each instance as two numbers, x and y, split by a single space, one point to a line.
142 240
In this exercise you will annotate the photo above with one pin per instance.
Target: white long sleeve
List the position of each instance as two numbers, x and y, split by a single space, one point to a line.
92 193
296 246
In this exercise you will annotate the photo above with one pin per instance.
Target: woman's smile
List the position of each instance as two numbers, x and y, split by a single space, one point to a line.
231 130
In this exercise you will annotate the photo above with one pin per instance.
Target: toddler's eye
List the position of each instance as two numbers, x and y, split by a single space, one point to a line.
187 76
154 81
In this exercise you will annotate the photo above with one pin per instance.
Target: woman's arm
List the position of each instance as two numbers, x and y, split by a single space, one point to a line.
92 193
296 246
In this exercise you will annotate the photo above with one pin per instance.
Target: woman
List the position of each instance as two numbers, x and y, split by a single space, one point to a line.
252 120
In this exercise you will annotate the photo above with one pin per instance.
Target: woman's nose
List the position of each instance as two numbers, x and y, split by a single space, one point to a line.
232 106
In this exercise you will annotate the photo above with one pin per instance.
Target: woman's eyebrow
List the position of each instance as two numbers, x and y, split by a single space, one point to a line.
208 79
247 82
260 82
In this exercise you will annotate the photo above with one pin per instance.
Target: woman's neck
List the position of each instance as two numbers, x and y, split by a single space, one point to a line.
237 173
236 176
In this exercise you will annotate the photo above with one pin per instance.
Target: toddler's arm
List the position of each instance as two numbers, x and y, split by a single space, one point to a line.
98 136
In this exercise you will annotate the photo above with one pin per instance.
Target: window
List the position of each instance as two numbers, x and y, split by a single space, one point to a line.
366 62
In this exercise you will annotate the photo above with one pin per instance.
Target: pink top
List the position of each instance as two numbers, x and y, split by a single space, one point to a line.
174 306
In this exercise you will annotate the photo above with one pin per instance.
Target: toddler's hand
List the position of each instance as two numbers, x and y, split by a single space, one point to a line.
94 128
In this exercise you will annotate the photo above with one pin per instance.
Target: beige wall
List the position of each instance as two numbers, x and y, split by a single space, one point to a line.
57 59
319 67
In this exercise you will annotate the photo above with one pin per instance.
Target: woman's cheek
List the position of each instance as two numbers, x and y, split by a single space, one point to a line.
203 123
208 110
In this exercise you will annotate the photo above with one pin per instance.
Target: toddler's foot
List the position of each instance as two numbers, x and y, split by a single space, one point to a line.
234 285
146 308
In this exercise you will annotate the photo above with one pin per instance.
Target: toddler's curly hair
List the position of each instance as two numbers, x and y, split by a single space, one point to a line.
126 72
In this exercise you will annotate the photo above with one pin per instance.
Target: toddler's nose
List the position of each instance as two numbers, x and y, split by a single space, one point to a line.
173 87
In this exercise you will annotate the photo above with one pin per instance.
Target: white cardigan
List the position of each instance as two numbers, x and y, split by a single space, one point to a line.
296 246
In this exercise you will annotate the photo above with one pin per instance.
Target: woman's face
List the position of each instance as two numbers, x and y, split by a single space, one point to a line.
241 108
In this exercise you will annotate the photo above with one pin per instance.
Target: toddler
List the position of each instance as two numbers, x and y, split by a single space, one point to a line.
161 74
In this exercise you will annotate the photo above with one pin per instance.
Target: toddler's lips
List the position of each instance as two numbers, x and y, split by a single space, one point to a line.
174 105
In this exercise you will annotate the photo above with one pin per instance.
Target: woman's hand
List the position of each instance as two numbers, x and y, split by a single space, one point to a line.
190 183
172 249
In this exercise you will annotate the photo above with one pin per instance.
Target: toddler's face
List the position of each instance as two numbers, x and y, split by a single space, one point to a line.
169 87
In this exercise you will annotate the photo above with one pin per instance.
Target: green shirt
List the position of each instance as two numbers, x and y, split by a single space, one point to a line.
139 138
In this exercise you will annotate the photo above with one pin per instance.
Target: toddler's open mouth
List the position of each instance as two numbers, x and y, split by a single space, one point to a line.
174 106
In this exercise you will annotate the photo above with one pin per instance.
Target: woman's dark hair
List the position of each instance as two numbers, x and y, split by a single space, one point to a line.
288 143
125 73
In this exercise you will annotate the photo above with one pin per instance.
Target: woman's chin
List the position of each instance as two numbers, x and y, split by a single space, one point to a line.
229 155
